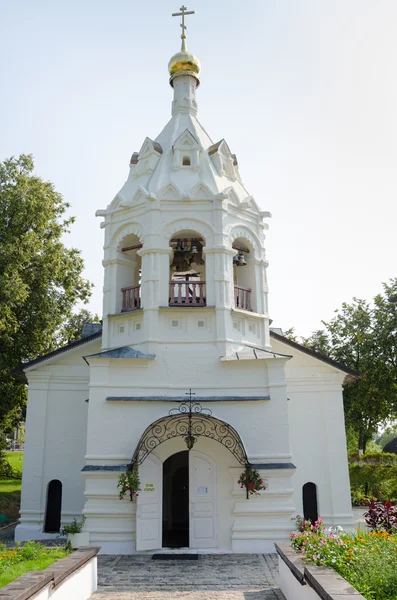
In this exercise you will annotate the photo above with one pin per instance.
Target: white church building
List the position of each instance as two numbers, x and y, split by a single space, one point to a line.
185 307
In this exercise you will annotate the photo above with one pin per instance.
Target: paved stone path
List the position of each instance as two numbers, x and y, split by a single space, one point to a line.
211 577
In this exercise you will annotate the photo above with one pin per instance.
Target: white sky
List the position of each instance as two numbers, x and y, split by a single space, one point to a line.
304 92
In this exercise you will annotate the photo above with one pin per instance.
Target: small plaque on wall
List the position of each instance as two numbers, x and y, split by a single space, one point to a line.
149 487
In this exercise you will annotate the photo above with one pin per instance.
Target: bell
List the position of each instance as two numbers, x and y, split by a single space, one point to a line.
178 246
235 260
194 247
180 263
186 248
241 259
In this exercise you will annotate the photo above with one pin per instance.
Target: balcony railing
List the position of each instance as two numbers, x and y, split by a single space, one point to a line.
242 298
187 293
131 298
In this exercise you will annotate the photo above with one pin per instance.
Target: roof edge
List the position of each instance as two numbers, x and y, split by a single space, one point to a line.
19 371
330 361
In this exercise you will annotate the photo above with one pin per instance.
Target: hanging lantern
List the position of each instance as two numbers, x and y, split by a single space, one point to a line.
241 259
190 440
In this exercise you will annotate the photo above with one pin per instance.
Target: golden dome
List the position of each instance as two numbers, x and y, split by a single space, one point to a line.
184 63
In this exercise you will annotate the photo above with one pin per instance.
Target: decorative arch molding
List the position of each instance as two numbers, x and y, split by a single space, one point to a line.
170 192
201 191
241 231
189 421
123 231
205 229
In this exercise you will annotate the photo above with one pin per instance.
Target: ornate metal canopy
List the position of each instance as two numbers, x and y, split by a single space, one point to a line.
189 421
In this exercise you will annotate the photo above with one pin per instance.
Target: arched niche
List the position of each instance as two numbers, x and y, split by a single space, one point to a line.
244 275
187 277
128 276
309 501
52 521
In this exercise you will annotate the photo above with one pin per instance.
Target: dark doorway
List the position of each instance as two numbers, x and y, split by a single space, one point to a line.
52 521
309 496
176 501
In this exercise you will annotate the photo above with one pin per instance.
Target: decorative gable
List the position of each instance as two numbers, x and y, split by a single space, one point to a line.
145 161
186 152
201 192
224 161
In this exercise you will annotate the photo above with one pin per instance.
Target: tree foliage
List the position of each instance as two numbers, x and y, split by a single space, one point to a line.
40 278
72 328
363 336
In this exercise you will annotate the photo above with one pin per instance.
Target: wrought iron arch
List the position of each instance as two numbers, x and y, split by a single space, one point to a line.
189 421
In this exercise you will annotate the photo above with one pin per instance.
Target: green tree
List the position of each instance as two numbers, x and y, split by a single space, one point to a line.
40 278
387 435
72 328
363 336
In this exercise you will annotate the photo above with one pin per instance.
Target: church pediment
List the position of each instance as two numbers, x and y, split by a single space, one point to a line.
170 192
224 161
201 191
185 140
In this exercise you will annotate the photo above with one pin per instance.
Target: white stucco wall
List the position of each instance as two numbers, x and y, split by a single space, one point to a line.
317 434
55 439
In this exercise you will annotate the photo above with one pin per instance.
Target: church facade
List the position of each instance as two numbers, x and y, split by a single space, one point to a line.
184 308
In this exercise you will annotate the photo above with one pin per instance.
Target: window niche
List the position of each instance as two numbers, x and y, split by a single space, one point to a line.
52 521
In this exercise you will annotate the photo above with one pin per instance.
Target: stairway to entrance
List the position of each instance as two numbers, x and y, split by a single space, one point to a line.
211 577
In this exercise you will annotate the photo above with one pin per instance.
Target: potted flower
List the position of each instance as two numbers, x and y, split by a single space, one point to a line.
74 533
251 481
129 483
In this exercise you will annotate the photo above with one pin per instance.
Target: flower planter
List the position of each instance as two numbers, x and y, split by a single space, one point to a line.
79 539
302 581
73 577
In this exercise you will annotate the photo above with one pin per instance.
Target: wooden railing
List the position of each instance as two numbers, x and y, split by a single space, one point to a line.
187 293
131 298
242 297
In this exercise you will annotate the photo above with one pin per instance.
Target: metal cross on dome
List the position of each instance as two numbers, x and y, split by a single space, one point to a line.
182 14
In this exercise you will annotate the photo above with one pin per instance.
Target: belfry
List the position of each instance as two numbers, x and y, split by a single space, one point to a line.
185 307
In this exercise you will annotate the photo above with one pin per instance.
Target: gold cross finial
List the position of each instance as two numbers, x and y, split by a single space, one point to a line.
182 14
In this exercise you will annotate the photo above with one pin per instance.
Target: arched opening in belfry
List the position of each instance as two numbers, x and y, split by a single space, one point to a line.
244 275
129 274
187 284
52 520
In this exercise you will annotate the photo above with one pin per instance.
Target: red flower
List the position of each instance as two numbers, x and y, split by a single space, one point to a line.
251 485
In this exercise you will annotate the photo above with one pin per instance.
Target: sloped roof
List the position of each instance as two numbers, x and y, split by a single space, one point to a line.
330 361
19 372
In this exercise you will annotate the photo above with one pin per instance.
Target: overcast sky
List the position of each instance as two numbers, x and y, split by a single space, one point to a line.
303 91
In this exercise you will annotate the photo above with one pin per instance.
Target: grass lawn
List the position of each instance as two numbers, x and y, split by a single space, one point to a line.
10 489
16 460
42 558
10 498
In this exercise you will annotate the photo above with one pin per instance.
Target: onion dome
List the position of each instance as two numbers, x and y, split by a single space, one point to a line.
184 63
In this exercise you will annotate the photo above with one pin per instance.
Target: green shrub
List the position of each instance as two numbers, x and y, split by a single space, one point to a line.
366 560
373 475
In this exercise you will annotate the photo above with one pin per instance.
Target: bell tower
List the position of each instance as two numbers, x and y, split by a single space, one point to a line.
184 254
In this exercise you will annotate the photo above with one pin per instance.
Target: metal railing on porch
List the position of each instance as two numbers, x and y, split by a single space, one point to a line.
187 293
131 298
